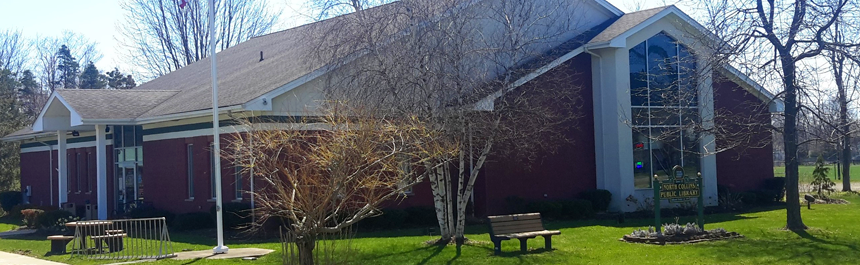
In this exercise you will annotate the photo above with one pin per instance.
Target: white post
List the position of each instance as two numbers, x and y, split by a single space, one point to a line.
101 171
62 167
216 145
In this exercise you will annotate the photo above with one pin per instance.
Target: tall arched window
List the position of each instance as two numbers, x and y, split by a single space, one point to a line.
664 105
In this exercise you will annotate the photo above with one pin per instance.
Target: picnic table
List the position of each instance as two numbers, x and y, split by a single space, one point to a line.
92 229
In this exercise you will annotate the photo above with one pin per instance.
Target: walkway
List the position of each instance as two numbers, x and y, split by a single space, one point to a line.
10 258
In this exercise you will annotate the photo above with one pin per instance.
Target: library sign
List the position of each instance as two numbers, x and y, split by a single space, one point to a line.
678 188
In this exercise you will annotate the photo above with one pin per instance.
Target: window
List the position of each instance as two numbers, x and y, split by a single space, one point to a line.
406 177
664 108
189 150
90 165
239 183
79 168
69 174
212 170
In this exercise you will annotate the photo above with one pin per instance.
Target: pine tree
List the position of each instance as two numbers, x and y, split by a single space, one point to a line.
29 92
68 68
116 80
820 181
91 78
11 120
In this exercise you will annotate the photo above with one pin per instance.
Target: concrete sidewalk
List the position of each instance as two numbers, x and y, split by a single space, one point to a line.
10 258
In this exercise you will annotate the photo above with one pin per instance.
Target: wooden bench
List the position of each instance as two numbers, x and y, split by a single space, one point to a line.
113 241
59 242
519 226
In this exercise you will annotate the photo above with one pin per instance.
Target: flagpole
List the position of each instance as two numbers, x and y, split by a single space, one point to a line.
216 141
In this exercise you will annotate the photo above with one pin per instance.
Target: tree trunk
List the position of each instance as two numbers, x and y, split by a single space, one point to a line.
305 246
844 126
439 184
792 195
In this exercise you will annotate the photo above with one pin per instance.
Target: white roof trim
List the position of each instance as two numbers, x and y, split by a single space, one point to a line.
610 7
28 136
75 118
621 40
487 103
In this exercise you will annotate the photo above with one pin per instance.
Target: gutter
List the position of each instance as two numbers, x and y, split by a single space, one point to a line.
185 115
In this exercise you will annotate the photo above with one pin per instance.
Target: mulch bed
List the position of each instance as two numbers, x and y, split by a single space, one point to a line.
829 201
681 239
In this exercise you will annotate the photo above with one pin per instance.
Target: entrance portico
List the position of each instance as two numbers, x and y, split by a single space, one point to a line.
59 116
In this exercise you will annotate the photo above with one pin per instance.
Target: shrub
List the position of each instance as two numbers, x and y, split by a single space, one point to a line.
31 217
421 216
516 204
577 209
390 219
748 198
150 212
16 210
776 185
9 199
599 199
547 209
54 220
766 196
193 221
235 214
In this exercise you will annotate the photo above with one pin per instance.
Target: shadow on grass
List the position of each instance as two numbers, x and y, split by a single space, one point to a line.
808 249
11 221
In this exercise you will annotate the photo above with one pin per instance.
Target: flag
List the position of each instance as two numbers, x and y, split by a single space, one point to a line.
183 3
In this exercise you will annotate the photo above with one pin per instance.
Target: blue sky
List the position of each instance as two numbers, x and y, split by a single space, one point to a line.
98 20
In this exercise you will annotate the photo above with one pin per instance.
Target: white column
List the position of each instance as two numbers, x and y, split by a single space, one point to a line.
101 171
612 135
708 142
63 168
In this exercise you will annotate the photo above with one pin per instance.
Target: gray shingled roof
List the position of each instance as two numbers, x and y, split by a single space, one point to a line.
113 104
625 23
242 76
24 131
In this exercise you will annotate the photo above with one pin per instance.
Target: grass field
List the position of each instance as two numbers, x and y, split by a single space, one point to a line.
833 239
806 173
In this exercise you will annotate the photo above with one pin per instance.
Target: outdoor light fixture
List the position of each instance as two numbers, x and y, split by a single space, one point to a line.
76 133
107 129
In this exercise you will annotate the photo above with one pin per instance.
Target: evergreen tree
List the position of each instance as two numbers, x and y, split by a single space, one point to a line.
91 78
68 68
116 80
11 120
29 86
821 183
29 93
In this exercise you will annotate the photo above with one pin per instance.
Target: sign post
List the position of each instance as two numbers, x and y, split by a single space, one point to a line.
679 188
657 200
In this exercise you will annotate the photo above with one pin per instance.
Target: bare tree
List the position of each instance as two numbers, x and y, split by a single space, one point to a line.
323 177
47 62
159 36
324 9
776 37
456 64
14 51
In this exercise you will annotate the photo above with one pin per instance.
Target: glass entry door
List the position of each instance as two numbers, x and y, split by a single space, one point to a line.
129 185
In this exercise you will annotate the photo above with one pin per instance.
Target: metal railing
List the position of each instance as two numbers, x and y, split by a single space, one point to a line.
145 238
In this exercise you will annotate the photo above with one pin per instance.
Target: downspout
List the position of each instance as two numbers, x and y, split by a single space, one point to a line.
50 168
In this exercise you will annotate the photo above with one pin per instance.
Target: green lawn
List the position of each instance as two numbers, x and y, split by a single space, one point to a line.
833 239
806 172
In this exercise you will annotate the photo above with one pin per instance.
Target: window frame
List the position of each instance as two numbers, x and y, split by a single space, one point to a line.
189 149
648 127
